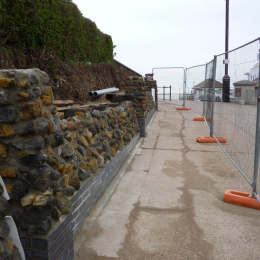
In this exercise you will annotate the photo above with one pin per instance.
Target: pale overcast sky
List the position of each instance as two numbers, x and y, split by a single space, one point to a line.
172 32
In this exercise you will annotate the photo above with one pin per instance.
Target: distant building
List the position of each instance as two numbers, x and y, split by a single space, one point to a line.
200 91
245 92
254 72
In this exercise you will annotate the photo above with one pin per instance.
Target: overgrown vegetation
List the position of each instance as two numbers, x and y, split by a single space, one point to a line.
52 28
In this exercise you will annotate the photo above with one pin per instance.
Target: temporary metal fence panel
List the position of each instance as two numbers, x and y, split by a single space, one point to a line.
256 181
236 120
170 76
195 79
208 92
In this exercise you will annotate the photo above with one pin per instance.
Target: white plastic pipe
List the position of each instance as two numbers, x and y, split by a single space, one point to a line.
96 93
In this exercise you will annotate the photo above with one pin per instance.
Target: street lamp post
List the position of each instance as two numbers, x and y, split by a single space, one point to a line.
226 78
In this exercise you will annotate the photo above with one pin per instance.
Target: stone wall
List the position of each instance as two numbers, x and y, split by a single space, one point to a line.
46 155
140 94
139 91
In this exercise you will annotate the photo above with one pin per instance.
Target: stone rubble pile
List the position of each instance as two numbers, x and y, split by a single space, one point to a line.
46 154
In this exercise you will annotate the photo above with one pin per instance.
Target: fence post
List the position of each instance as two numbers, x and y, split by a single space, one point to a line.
212 97
204 94
156 97
170 92
184 86
257 136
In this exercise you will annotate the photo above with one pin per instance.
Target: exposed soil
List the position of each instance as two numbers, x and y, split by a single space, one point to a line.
69 81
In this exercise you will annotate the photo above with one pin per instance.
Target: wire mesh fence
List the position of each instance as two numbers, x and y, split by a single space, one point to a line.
194 94
201 88
208 93
236 120
170 76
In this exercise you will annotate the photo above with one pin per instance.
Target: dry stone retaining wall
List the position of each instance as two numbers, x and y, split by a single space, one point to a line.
46 155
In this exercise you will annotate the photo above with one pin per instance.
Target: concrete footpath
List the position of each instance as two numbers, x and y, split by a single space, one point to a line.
167 202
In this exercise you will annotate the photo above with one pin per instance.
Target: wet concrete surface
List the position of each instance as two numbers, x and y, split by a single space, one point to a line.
167 202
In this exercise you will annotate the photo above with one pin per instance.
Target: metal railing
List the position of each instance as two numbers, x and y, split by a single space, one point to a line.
166 91
201 87
174 77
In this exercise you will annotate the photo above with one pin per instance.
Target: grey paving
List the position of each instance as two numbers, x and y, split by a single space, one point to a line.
167 203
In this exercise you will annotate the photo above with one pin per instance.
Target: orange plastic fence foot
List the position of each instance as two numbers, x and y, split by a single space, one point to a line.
211 139
199 118
183 108
241 198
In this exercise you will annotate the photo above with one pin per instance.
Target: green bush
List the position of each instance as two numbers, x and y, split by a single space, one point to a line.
54 27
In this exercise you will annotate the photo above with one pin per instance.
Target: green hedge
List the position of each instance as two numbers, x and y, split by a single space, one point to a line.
55 27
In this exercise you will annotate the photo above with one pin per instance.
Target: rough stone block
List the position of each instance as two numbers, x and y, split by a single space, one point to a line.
3 151
7 114
6 82
35 143
4 97
31 110
8 172
6 130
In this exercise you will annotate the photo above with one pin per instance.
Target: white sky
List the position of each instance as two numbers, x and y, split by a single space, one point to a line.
172 32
